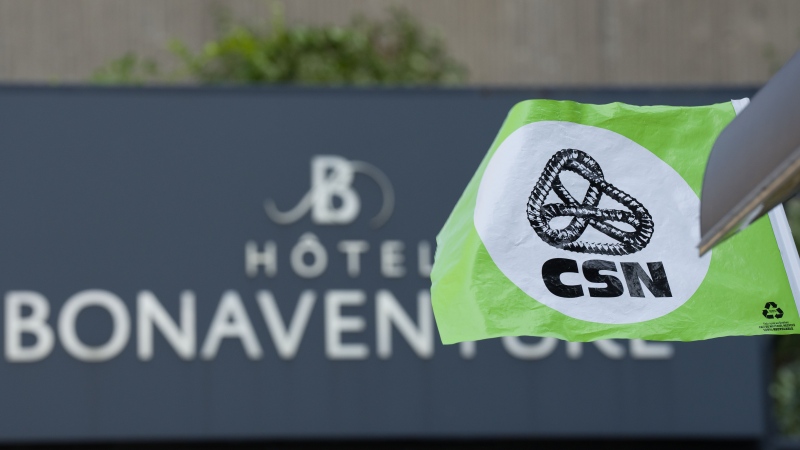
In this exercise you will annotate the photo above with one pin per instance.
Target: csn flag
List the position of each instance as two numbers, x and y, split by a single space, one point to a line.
581 223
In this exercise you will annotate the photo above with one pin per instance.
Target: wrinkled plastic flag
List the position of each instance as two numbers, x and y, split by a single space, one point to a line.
581 223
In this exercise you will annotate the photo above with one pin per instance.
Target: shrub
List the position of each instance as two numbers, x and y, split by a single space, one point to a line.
395 51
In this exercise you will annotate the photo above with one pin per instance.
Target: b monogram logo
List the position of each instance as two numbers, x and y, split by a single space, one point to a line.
332 178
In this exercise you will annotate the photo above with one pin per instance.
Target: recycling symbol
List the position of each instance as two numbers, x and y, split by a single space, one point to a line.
585 212
771 307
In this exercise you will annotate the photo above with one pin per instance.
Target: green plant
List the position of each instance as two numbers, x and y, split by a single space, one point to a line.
395 51
129 69
785 391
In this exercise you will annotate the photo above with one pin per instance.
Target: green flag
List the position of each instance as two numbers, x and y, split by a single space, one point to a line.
581 223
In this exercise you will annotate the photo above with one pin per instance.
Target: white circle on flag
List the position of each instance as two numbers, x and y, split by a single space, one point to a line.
501 220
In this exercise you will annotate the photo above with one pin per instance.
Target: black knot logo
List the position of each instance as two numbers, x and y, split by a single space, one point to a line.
771 311
585 212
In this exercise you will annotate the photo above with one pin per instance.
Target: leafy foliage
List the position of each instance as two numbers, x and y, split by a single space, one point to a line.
785 391
395 51
129 69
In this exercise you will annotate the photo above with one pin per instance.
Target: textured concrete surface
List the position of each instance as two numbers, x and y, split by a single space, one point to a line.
508 42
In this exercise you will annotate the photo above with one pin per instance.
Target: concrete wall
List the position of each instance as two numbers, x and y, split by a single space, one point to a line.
503 42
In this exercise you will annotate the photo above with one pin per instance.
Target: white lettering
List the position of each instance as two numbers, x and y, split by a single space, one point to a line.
120 319
389 312
610 349
574 350
651 350
253 258
336 324
607 347
286 339
308 245
231 321
468 349
353 250
34 323
151 314
392 259
332 177
529 351
424 259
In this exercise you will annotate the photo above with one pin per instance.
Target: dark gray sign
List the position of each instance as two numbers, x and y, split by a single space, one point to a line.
253 263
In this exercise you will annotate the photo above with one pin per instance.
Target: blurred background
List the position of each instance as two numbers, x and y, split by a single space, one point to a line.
644 46
620 43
